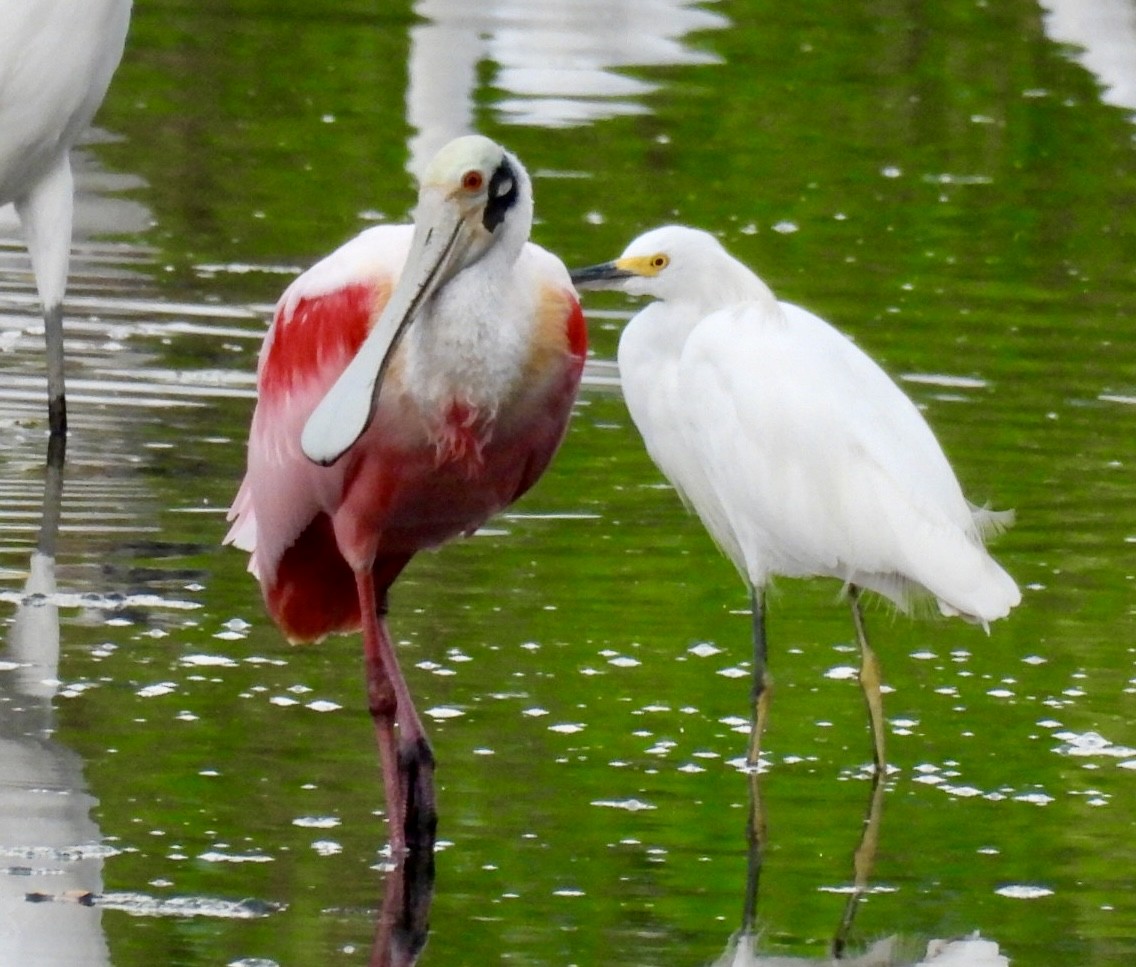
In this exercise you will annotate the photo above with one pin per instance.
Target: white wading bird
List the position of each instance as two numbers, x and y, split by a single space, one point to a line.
799 454
56 61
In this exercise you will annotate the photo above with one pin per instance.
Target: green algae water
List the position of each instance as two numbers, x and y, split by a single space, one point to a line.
950 184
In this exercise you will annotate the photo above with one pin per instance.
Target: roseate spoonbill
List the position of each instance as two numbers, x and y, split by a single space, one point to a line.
412 384
56 61
799 454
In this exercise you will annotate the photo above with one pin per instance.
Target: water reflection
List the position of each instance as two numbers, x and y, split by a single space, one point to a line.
892 951
1105 32
51 844
557 64
403 919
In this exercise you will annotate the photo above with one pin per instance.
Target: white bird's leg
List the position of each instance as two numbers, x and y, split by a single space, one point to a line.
46 214
407 760
756 837
759 694
863 861
870 679
755 823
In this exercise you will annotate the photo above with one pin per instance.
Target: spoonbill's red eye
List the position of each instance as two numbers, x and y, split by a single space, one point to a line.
473 180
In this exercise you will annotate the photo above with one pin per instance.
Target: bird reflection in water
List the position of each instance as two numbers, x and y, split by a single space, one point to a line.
891 951
403 920
46 821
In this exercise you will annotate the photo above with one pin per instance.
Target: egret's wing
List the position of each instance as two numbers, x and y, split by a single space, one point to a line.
823 465
649 351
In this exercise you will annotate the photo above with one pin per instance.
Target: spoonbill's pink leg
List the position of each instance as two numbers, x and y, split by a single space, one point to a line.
407 759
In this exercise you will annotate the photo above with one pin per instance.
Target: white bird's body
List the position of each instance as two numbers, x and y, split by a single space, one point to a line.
799 454
56 61
972 951
802 457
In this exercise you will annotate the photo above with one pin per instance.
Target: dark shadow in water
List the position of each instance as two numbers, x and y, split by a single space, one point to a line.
891 951
403 920
48 841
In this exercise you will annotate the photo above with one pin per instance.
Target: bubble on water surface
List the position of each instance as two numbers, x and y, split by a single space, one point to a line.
1085 744
205 660
630 805
316 822
733 672
842 673
704 649
1024 891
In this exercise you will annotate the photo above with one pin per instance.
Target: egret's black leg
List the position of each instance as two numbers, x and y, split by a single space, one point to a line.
756 836
870 679
761 682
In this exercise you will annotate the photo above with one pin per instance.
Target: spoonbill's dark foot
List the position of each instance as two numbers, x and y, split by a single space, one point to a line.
420 817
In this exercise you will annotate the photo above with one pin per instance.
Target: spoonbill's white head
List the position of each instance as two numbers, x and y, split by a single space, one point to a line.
475 199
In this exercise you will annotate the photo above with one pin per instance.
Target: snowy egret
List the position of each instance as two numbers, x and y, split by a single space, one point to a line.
56 61
412 384
799 454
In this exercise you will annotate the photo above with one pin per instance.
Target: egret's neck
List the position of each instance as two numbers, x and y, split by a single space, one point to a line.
730 282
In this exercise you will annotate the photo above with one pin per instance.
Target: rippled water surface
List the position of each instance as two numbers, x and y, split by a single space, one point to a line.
950 183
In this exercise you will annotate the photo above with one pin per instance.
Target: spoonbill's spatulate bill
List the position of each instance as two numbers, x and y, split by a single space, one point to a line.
799 454
56 61
412 384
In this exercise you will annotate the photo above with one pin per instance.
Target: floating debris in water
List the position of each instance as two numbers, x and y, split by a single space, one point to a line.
214 856
99 602
142 905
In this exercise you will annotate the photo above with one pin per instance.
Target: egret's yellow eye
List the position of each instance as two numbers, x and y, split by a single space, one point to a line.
473 181
647 266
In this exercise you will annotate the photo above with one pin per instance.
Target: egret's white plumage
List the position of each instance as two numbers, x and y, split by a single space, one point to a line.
799 454
56 61
894 951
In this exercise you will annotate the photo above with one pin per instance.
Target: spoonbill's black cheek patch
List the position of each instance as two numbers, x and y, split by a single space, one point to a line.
503 195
